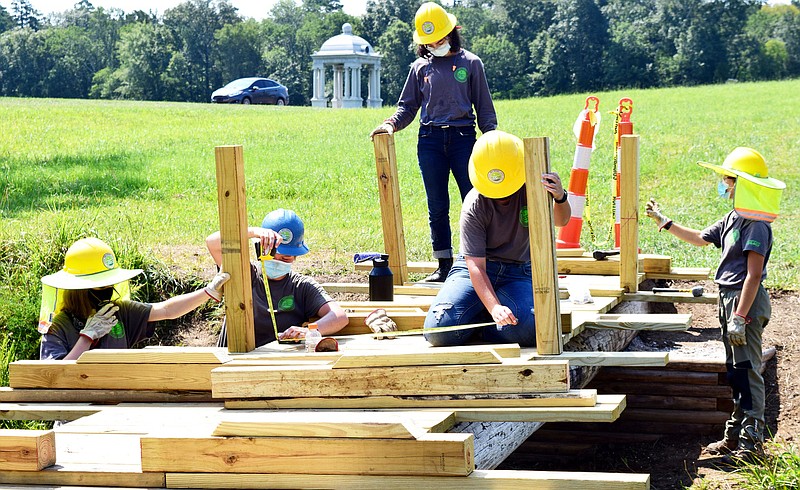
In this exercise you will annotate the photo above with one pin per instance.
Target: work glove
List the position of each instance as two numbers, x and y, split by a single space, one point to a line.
385 127
652 209
214 288
737 327
99 324
378 322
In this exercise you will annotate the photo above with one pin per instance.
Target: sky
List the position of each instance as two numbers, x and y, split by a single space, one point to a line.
257 9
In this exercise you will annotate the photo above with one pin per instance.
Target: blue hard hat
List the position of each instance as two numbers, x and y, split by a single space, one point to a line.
290 227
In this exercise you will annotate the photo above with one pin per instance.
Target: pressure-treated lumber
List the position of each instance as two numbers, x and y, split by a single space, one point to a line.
477 480
45 411
394 241
431 454
27 450
629 213
69 374
363 288
404 319
682 274
609 358
543 247
650 321
706 298
294 381
655 263
401 302
32 395
84 476
235 248
471 354
607 409
590 266
184 355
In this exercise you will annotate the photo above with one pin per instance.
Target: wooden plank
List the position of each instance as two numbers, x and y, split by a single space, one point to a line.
405 320
572 398
477 480
470 354
86 475
629 213
598 305
682 274
609 358
542 247
655 263
27 450
644 321
45 411
363 288
294 381
400 302
607 409
33 395
706 298
235 248
590 266
69 374
431 454
184 355
394 241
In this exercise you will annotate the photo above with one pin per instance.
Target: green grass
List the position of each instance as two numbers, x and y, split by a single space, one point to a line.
146 171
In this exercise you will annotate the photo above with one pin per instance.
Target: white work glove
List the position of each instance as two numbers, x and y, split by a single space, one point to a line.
653 211
378 322
99 324
736 331
214 288
385 127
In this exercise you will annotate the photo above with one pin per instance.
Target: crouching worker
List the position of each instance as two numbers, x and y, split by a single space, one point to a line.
91 312
295 298
745 237
491 279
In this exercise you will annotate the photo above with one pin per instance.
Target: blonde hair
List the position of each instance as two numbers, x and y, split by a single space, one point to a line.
77 303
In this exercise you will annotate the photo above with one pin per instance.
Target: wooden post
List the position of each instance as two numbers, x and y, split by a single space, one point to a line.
394 241
543 248
235 251
629 213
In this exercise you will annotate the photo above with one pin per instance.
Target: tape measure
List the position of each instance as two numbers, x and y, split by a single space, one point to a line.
420 331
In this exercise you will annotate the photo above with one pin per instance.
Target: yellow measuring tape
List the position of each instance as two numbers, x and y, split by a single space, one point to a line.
263 259
419 331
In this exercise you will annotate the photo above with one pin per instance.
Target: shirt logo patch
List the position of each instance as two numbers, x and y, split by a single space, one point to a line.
754 243
118 331
286 303
523 216
461 74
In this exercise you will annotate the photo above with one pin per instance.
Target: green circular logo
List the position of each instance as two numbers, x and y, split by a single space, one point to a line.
118 331
496 176
427 27
461 74
286 303
108 260
286 235
523 216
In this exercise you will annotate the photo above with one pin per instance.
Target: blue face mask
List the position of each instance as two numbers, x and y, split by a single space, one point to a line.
276 268
723 190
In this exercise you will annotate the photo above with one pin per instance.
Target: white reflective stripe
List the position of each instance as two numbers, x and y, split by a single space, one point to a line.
617 203
619 160
577 203
582 156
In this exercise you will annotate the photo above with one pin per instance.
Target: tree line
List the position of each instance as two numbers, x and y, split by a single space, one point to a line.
529 47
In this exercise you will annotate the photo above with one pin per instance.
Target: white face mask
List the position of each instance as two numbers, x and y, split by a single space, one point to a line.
441 50
276 268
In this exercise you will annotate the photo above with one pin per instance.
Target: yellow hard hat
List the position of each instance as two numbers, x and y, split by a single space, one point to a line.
748 164
496 166
432 23
89 263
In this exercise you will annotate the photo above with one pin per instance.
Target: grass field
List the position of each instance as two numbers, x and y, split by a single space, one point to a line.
145 172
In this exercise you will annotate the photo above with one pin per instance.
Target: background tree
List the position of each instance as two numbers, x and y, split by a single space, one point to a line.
25 15
6 21
396 47
145 51
238 50
502 63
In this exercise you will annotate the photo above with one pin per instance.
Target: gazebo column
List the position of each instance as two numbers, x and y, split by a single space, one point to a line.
374 87
318 77
336 101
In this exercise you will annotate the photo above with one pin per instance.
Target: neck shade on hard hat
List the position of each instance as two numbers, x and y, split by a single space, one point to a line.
432 23
89 263
496 166
291 229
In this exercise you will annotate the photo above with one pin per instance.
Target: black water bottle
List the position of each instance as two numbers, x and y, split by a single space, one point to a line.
381 280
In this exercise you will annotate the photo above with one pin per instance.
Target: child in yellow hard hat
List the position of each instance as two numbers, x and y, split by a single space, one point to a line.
745 237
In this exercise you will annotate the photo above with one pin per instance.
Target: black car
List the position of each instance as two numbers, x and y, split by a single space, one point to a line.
252 91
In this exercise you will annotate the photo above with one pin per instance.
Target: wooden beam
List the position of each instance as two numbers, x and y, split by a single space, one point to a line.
404 319
46 411
235 248
572 398
312 381
432 454
629 213
609 358
27 450
184 355
363 288
477 480
543 248
31 395
682 274
468 354
394 241
683 297
77 475
648 321
607 409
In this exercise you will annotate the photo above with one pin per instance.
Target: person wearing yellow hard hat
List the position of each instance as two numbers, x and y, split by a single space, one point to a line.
91 313
745 237
491 278
447 86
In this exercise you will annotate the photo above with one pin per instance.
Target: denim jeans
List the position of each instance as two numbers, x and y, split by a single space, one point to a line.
441 150
458 304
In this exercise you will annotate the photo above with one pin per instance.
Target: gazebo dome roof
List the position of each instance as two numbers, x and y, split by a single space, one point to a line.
346 43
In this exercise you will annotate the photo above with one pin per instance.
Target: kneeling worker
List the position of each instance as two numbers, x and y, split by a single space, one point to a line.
491 279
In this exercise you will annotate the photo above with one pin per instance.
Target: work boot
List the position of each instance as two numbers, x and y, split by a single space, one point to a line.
743 456
440 274
721 448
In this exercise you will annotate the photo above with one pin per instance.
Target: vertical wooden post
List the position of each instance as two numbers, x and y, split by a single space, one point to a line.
629 213
543 248
394 241
235 251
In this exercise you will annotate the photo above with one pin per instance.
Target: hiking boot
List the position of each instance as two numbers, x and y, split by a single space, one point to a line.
721 448
743 456
440 274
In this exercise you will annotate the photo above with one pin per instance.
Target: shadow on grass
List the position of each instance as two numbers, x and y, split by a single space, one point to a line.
67 181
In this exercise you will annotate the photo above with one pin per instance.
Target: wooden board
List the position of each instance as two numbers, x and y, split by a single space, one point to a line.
69 374
85 475
607 409
706 298
363 288
32 395
432 454
404 319
46 411
394 241
183 355
471 354
590 266
27 450
649 321
629 213
572 398
682 274
609 358
477 480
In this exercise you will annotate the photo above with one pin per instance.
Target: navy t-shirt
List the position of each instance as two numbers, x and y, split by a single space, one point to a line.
736 236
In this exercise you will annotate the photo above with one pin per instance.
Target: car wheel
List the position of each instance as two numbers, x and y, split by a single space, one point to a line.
280 102
246 101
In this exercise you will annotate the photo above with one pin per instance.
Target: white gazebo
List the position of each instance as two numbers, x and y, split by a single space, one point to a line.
349 55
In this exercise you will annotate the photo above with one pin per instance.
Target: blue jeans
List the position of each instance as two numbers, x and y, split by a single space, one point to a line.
441 150
458 304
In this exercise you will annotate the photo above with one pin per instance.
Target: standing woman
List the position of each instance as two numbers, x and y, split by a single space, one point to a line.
444 84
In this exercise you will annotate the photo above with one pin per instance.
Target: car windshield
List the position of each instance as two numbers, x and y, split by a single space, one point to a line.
241 84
